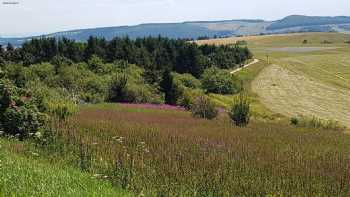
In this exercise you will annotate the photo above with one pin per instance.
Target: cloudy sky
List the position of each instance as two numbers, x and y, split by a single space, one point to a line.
32 17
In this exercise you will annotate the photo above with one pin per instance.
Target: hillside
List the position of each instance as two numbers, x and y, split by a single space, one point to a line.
195 29
303 79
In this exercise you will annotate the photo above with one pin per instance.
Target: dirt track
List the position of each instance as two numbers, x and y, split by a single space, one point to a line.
245 66
292 94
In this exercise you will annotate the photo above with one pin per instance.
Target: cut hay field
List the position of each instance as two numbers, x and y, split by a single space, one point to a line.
310 79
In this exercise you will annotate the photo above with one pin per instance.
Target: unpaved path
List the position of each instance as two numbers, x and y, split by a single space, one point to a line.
245 66
293 94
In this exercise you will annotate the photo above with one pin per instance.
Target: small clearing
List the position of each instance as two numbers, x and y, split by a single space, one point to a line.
292 94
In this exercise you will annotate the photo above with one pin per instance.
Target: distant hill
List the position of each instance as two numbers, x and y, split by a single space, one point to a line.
299 20
195 29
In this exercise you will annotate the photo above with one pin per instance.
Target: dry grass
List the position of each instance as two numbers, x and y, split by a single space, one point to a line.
325 72
294 94
169 153
314 39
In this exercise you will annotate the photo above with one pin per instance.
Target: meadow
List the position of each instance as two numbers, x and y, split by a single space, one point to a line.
165 152
305 73
24 172
161 150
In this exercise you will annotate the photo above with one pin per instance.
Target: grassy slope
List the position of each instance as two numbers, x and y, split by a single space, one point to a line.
248 75
327 68
30 176
170 153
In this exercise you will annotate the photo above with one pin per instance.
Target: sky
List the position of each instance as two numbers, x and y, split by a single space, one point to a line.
35 17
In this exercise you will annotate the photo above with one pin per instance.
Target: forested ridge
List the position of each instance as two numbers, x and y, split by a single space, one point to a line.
150 53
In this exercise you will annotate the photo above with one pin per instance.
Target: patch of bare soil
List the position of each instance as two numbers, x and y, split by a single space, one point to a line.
293 94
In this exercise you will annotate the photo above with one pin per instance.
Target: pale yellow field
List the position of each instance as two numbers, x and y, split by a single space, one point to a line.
294 94
302 79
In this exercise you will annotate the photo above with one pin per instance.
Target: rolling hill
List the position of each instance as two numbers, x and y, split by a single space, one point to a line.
195 29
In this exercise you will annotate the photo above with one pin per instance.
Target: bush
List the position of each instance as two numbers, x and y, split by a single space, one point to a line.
124 88
240 111
317 123
135 93
62 109
204 108
294 121
188 97
215 80
186 80
18 113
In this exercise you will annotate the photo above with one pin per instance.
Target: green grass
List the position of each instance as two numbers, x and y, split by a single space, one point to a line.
31 175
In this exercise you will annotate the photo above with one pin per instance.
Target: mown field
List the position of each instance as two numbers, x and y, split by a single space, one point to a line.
166 152
304 78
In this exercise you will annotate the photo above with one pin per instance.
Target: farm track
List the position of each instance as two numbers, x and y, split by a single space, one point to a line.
293 94
245 66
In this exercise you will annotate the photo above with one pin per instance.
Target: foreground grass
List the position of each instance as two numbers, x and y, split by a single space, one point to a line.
31 176
169 153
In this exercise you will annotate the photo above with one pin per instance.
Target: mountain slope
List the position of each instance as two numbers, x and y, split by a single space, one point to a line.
299 20
193 30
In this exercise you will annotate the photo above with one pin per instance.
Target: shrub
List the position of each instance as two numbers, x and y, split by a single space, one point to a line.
97 66
204 108
294 121
18 113
215 80
186 80
53 101
188 97
240 111
117 90
124 88
135 93
62 109
317 123
326 42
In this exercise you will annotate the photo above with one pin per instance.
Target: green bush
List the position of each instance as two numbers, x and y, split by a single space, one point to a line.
124 89
240 111
117 90
188 97
314 122
294 121
204 108
62 109
97 66
18 113
186 80
54 101
215 80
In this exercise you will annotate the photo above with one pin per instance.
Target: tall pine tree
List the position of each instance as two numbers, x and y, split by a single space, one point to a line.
167 86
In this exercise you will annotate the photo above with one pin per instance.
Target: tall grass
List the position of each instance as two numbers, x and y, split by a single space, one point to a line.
32 176
169 153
